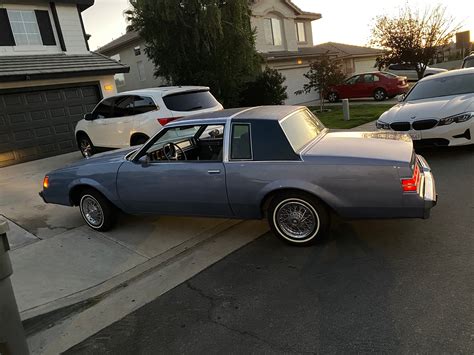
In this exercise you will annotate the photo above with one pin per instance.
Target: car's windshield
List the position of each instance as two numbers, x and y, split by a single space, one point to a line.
174 134
301 128
468 63
442 86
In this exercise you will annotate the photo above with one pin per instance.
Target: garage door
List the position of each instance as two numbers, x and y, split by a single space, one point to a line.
39 123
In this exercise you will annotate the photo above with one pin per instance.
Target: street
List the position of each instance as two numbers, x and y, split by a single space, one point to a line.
396 286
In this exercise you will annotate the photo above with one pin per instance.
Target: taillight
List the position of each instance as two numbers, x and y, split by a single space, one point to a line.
411 185
164 121
46 182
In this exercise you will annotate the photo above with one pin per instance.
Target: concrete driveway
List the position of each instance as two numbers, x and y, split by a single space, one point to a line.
58 261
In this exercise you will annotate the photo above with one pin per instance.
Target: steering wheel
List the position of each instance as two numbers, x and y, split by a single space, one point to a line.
171 151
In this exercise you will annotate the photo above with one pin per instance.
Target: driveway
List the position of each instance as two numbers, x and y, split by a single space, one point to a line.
395 286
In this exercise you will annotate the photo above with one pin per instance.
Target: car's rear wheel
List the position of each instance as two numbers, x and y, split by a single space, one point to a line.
333 97
85 146
297 219
380 94
97 211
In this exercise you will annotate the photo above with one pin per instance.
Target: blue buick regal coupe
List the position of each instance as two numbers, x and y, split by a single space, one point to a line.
274 161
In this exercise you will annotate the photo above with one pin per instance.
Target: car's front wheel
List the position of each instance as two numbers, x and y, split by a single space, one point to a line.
298 219
380 95
333 97
97 211
85 145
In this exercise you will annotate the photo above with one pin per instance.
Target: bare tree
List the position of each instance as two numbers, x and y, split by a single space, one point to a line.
413 37
323 73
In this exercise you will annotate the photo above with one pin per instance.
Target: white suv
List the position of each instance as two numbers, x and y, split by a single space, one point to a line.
131 118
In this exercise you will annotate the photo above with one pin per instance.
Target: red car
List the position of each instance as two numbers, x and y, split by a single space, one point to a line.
379 85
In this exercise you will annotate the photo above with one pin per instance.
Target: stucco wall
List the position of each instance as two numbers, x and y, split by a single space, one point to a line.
278 9
132 80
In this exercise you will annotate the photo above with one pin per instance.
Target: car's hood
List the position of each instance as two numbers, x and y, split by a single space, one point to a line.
364 147
438 107
103 158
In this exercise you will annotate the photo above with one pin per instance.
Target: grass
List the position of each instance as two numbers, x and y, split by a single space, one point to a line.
360 114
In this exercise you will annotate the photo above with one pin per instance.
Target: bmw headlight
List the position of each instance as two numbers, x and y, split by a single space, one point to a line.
462 117
382 125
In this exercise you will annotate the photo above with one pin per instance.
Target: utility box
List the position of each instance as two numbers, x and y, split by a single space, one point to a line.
12 335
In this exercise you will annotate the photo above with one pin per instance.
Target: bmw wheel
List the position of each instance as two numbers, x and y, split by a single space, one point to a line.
380 94
97 211
298 219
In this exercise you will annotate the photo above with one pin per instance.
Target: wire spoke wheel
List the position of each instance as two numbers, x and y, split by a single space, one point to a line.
92 211
297 219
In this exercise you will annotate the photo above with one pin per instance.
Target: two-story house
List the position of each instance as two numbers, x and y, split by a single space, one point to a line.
48 77
284 37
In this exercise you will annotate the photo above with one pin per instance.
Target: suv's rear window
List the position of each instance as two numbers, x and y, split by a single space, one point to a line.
443 86
190 101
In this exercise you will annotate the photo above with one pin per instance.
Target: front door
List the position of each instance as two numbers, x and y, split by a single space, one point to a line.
113 123
180 172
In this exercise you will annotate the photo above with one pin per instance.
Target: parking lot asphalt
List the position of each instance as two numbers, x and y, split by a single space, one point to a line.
392 286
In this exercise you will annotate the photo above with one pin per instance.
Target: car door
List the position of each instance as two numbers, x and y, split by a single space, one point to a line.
113 121
191 187
367 85
346 90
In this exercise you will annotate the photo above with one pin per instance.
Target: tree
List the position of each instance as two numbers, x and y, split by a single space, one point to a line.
267 89
413 37
323 73
199 42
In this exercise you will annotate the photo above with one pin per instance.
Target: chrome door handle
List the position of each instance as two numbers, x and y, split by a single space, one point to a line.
213 172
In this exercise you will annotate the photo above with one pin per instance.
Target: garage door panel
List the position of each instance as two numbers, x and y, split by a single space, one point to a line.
41 123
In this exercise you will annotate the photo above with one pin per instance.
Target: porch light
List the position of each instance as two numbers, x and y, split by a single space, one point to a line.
299 61
109 87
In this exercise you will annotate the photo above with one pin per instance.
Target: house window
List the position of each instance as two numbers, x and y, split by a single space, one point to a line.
272 28
137 50
300 32
141 71
24 27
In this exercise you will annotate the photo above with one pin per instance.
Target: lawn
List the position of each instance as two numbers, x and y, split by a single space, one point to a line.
360 114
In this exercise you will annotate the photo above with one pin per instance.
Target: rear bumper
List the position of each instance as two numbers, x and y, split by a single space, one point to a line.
427 188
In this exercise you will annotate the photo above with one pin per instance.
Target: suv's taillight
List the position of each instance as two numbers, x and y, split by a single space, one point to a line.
164 121
411 185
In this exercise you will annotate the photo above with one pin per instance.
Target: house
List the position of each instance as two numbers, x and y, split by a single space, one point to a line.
284 37
355 59
48 77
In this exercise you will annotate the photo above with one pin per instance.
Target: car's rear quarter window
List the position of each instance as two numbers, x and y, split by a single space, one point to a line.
190 101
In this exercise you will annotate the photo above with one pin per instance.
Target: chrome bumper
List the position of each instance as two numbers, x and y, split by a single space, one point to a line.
428 187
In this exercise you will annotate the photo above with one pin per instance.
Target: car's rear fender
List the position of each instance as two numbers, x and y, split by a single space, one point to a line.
264 196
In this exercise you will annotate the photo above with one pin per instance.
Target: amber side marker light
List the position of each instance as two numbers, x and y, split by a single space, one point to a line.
46 182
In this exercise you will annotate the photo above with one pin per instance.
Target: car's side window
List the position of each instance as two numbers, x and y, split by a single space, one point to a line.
123 106
144 104
241 146
369 78
104 109
352 80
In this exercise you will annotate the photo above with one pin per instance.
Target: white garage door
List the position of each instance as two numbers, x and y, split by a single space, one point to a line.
364 65
295 81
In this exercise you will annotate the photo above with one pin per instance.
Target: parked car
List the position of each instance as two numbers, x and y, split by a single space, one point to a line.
438 110
131 118
468 62
378 85
278 161
409 70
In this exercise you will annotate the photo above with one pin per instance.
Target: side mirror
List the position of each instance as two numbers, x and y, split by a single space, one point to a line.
89 117
401 97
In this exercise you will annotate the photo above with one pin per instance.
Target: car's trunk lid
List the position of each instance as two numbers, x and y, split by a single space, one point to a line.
364 147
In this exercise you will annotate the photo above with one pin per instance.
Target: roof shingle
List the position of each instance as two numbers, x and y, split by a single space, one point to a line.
35 67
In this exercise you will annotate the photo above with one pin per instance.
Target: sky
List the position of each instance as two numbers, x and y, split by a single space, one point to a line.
347 21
